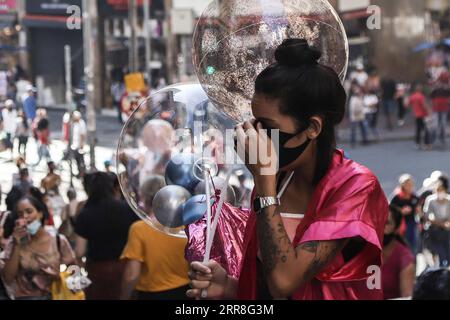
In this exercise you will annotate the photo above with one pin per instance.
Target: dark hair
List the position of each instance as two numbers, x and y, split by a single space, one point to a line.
43 124
37 204
397 217
71 193
99 186
115 180
444 182
24 171
433 285
305 89
13 197
39 196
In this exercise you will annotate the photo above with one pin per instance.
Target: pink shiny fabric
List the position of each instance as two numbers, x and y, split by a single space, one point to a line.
228 241
347 203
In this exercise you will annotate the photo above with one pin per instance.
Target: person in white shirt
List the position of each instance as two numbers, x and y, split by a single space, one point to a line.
437 213
9 115
79 135
360 76
357 115
371 103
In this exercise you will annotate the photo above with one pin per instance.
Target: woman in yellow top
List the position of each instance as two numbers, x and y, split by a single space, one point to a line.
156 268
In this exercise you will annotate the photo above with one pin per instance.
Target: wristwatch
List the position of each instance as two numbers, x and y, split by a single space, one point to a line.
259 204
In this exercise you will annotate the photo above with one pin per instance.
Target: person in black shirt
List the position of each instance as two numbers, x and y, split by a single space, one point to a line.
102 232
389 88
407 203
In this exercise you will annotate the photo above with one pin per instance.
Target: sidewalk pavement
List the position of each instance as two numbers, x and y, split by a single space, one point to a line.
407 132
109 129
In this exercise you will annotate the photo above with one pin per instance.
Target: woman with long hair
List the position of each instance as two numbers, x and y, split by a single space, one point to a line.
399 267
33 256
101 234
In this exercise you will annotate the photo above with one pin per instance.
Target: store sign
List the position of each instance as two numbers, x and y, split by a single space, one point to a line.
51 7
349 5
8 6
134 82
114 8
117 5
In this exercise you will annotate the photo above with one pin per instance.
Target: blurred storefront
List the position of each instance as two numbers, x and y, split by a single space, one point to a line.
48 33
114 17
9 30
354 16
404 25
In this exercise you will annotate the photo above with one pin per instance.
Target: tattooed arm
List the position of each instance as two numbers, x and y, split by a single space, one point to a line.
287 268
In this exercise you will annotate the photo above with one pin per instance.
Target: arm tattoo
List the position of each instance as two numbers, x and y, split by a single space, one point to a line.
276 247
324 252
274 243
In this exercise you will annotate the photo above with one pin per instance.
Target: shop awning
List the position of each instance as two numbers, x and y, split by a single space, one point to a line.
356 14
45 21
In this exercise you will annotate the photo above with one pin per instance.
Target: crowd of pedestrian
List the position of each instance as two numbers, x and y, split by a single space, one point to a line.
123 258
371 96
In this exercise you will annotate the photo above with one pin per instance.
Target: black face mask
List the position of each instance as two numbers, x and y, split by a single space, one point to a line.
287 156
388 238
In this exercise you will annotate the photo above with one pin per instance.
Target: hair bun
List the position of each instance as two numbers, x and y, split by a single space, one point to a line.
296 53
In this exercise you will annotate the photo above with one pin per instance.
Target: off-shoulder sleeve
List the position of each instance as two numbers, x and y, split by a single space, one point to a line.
354 211
361 212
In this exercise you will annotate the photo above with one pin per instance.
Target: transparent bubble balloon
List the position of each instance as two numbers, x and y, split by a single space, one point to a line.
235 40
176 134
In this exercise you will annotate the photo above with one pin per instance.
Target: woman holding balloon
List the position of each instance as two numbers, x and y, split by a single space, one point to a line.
331 252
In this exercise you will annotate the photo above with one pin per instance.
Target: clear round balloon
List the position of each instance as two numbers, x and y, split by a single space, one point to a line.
170 142
235 40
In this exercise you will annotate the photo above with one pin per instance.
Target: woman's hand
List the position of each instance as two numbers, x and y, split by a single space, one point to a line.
260 156
210 276
20 232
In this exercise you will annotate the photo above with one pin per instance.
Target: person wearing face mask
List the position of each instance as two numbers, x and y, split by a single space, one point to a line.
399 265
437 213
33 256
318 217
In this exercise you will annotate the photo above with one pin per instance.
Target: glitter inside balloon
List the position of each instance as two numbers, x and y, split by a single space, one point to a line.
167 136
235 40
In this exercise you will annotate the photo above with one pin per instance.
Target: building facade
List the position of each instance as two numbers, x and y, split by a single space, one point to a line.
9 34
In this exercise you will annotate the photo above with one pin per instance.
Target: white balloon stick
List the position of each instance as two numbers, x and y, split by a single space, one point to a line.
223 196
208 223
208 213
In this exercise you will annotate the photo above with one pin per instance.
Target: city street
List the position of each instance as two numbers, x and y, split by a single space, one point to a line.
388 159
371 78
108 132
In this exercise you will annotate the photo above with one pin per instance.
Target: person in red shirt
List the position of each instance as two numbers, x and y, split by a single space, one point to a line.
43 139
417 102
